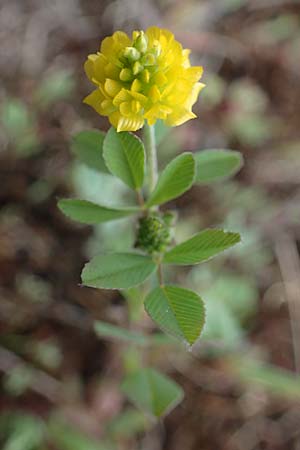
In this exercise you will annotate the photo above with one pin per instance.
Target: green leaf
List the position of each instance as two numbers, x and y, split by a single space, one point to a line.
267 376
104 329
127 424
152 392
87 212
177 311
88 147
216 165
202 246
23 431
54 87
175 179
113 332
124 155
67 437
15 117
117 270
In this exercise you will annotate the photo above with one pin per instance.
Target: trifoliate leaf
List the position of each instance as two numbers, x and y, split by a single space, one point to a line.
117 270
177 311
88 147
175 179
87 212
202 246
124 156
216 165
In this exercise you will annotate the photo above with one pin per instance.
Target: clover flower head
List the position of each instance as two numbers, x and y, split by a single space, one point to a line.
147 77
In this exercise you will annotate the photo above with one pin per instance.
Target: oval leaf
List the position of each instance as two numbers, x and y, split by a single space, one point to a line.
88 147
117 270
87 212
124 155
177 311
152 391
175 179
202 246
216 165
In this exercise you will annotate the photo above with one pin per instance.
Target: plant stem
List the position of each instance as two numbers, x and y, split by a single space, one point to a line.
160 274
151 153
149 140
140 199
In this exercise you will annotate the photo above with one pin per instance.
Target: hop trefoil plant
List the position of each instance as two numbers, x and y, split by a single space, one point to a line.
138 81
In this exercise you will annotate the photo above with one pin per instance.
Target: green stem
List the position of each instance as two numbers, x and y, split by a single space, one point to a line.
150 145
160 274
151 153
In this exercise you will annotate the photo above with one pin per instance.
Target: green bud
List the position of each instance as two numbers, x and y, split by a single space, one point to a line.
132 54
125 74
141 42
145 76
153 235
137 68
148 60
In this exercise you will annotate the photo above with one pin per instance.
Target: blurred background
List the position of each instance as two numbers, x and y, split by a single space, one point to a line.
59 379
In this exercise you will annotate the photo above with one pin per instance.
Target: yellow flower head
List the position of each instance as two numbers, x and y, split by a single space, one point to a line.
148 77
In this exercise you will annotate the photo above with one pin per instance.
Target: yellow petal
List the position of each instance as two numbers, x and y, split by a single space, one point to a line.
158 111
114 118
196 89
107 46
107 107
122 96
89 67
94 100
160 79
194 73
185 57
111 71
153 33
136 86
140 97
112 87
121 38
135 106
130 124
125 109
179 117
154 94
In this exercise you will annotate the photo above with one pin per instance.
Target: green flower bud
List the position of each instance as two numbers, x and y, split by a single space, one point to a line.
137 68
126 75
132 54
153 234
141 42
148 60
145 76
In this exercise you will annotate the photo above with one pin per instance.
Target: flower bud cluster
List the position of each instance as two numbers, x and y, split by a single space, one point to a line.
155 233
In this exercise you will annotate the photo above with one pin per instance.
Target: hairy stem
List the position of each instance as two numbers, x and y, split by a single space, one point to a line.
149 140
